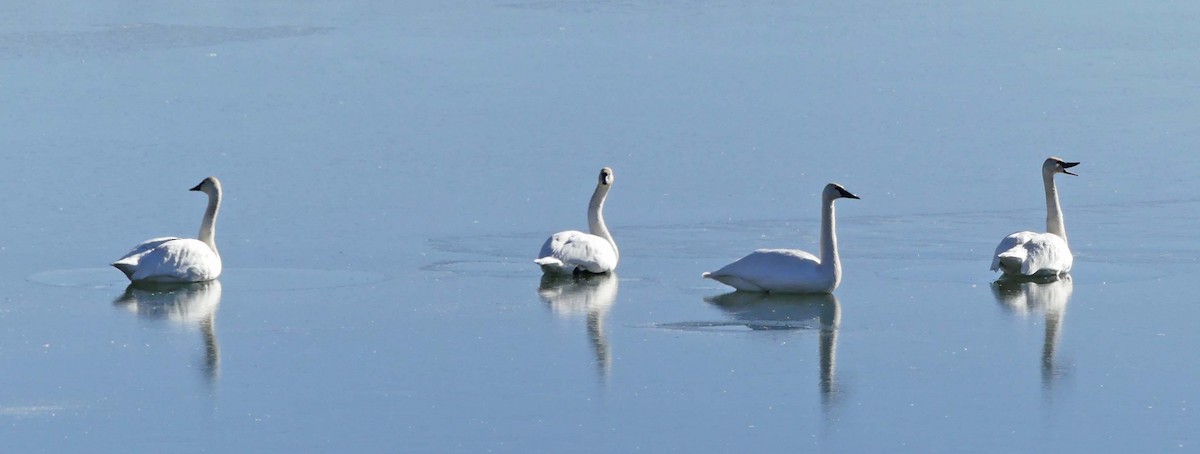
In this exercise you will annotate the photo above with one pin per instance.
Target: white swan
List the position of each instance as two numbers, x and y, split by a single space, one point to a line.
1039 254
171 259
573 251
791 270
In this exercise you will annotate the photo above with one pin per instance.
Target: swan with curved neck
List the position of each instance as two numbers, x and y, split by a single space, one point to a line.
172 259
791 270
1039 254
572 251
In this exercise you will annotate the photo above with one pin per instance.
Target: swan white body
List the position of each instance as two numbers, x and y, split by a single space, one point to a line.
1034 253
790 270
171 259
573 251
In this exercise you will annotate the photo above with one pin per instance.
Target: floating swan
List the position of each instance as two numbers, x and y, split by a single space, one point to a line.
791 270
1039 254
171 259
573 251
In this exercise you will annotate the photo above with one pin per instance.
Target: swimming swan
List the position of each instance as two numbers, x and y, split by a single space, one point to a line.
791 270
171 259
573 251
1039 254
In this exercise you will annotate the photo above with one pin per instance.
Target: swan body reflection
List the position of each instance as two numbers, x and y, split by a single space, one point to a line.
589 295
782 311
1050 297
189 304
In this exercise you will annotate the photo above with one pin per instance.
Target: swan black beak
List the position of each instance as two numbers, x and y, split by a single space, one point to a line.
847 194
1067 165
197 188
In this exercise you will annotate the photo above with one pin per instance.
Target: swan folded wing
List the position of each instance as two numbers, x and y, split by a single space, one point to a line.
1032 253
171 260
787 270
577 250
147 245
1010 253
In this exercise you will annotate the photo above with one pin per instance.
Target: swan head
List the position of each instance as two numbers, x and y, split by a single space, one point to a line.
1055 165
836 191
606 176
210 186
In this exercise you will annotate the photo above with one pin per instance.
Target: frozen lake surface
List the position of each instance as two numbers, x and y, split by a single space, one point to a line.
391 169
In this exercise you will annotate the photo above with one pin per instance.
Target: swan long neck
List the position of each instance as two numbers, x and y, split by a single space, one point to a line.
1054 216
208 225
829 252
596 224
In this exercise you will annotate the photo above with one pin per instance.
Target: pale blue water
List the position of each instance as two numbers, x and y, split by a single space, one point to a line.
392 168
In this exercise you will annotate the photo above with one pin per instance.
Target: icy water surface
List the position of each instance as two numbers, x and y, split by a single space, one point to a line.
391 169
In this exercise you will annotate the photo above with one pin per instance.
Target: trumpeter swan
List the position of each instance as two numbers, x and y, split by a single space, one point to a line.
172 259
1039 254
791 270
573 251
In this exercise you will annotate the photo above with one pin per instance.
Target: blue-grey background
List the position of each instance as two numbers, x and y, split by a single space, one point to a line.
391 169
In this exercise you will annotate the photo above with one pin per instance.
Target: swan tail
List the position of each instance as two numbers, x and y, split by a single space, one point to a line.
551 265
125 267
548 261
735 282
1012 260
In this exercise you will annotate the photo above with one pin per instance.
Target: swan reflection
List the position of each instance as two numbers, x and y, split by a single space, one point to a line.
191 304
588 295
779 311
1048 296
